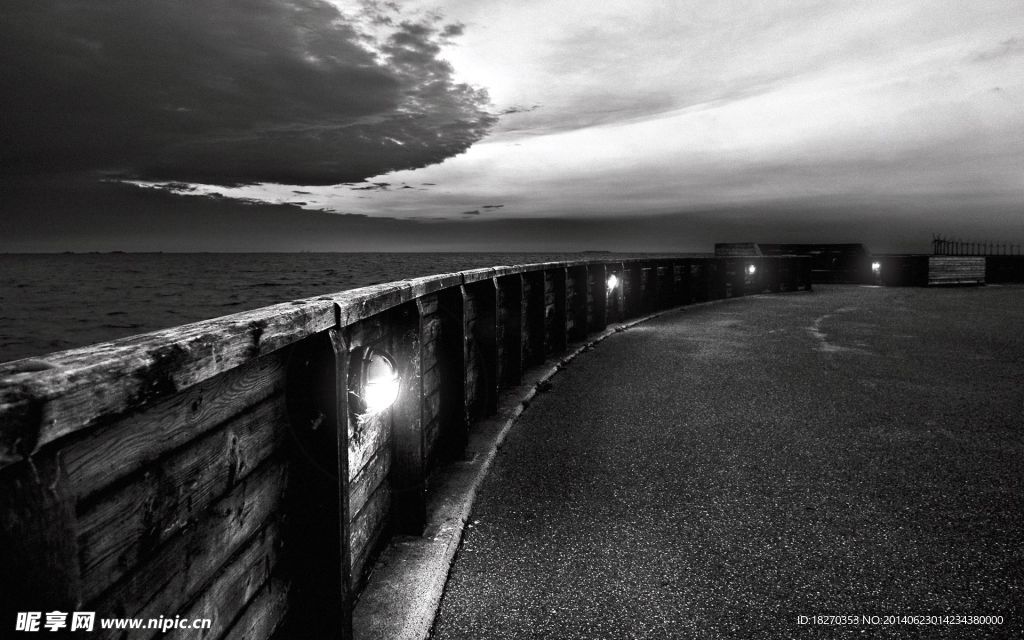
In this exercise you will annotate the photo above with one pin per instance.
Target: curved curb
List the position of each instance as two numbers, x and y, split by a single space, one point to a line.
404 592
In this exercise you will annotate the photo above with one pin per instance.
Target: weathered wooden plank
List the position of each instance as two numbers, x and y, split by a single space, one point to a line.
47 398
431 436
430 419
428 304
366 437
234 587
430 328
358 304
43 399
368 480
366 529
98 458
432 405
124 525
367 332
432 378
37 536
264 614
177 570
956 270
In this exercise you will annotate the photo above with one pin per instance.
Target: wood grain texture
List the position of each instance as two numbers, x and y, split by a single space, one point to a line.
408 469
367 528
176 571
373 474
956 270
156 460
44 399
264 614
238 583
365 438
38 547
122 526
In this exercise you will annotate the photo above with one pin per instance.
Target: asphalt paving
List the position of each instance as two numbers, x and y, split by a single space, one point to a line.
747 469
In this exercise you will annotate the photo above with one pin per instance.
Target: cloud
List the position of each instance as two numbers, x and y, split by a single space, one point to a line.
220 92
518 109
1009 47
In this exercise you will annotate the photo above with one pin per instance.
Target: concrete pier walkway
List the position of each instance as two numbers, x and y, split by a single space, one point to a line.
721 470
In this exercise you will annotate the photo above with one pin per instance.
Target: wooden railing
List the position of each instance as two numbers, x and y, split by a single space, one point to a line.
214 470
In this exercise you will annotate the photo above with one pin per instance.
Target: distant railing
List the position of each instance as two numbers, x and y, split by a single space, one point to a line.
220 470
956 247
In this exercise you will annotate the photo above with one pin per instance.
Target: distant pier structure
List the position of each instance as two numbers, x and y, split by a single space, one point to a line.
1004 261
942 246
848 263
952 263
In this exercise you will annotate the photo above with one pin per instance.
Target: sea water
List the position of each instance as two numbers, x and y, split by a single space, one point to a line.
51 302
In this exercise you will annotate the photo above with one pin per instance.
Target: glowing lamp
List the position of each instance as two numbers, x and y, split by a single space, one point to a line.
876 267
613 281
751 269
373 381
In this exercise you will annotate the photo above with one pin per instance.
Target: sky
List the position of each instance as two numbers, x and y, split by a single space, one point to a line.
475 125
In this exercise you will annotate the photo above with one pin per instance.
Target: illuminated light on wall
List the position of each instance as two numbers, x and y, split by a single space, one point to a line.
751 269
373 381
613 281
876 267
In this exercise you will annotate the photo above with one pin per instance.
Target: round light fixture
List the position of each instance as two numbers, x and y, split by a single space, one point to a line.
373 381
751 269
876 267
613 281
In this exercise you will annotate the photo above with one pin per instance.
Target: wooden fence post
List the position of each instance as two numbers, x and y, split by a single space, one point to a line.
534 319
510 329
684 294
632 289
719 279
577 302
597 278
480 304
317 549
559 318
408 473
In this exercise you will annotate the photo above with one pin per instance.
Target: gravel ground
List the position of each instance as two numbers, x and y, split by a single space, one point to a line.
720 471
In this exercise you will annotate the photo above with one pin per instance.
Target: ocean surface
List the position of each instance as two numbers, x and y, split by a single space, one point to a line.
52 302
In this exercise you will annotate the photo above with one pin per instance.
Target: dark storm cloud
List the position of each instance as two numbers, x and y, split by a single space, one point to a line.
519 109
453 30
225 92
